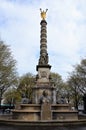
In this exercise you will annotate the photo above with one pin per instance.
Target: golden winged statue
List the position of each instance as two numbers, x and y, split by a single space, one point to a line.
43 14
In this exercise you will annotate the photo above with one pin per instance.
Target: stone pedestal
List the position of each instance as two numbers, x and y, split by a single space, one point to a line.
43 83
46 112
38 90
63 112
27 112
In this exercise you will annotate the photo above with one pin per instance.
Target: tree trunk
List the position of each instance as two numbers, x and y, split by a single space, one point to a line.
0 97
76 102
84 100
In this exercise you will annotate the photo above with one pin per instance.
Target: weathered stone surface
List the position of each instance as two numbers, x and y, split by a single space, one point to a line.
47 109
46 112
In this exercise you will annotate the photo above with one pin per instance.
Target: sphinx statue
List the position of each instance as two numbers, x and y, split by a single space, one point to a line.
44 98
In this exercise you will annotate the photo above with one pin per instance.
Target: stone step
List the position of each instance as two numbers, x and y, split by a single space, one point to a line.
60 107
65 111
30 107
23 111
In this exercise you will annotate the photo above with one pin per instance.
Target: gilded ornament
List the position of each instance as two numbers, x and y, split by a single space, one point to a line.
43 14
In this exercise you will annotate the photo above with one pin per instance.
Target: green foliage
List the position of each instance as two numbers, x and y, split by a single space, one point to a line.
57 81
62 88
77 82
81 75
27 81
12 96
8 74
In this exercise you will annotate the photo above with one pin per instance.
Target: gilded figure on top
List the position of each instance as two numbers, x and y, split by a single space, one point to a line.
43 14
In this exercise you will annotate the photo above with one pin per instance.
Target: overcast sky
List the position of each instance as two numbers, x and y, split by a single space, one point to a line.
66 32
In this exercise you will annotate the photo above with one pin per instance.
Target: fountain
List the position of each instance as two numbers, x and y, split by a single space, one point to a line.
43 109
44 105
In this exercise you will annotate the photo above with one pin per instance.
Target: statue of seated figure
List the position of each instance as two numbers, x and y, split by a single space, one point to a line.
44 98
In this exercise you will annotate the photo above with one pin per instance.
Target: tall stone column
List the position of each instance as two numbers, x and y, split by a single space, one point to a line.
43 60
43 67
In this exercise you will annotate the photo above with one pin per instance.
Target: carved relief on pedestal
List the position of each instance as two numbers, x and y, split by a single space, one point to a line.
43 74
